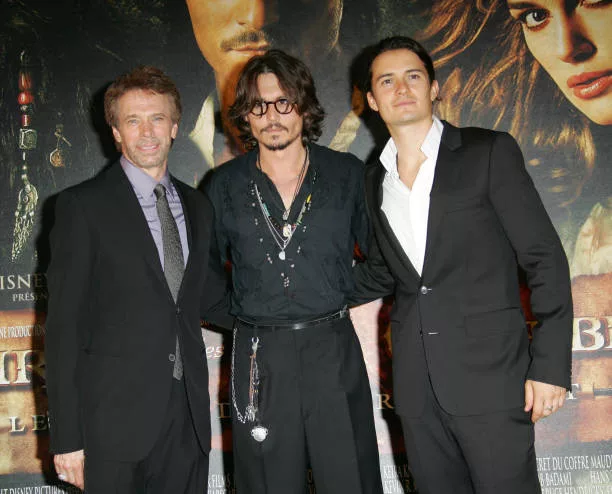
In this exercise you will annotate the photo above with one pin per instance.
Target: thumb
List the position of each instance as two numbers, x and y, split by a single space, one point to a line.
528 396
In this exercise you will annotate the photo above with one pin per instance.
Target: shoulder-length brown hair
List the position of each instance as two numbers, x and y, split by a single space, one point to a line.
294 78
495 81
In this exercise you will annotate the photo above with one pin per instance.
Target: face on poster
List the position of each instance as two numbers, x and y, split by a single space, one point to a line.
572 41
229 32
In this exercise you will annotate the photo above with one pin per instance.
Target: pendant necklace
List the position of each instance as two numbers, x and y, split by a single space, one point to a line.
300 179
282 241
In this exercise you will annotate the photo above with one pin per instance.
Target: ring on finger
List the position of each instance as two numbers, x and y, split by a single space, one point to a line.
61 476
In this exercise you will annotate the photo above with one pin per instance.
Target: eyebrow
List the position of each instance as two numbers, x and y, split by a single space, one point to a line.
136 115
520 5
388 74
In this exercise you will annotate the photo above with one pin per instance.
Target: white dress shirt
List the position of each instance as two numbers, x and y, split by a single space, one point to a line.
408 210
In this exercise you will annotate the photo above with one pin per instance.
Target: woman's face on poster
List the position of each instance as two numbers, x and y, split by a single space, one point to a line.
572 40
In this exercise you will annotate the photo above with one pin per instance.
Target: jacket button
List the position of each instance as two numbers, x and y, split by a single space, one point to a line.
171 357
425 290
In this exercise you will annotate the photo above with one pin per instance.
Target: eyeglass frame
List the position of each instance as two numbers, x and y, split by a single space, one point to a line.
266 105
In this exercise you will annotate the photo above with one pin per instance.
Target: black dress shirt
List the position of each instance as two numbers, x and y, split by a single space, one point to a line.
316 274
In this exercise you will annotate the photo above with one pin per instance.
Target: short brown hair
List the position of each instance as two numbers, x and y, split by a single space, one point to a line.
146 78
294 77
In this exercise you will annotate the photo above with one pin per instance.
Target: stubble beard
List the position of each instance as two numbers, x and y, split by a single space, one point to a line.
279 146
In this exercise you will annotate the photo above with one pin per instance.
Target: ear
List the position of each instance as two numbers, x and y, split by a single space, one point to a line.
174 130
434 91
372 101
116 134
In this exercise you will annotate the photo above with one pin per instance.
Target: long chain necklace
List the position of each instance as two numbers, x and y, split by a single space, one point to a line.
259 432
282 241
300 178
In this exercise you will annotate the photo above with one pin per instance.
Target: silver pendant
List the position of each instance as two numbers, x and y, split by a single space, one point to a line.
259 433
250 413
287 230
286 214
281 255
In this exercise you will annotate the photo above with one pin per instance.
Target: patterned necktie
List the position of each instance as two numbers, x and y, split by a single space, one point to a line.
174 265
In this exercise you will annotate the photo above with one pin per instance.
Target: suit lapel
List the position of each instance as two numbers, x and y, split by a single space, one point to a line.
130 221
444 179
376 196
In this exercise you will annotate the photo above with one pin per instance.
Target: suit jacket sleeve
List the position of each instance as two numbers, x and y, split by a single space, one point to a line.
372 278
540 254
69 276
360 224
215 304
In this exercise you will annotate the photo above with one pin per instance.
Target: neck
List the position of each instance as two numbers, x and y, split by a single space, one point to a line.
284 162
155 172
409 138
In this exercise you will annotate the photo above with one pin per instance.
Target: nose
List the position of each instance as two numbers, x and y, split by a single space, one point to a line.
401 86
146 128
257 13
272 115
573 43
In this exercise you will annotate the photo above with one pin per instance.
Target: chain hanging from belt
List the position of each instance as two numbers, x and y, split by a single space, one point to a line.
258 431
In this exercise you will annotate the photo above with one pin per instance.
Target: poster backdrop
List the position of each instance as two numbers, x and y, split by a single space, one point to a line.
540 70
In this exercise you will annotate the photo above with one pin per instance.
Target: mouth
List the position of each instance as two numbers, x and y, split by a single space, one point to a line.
149 148
273 128
251 48
404 103
589 85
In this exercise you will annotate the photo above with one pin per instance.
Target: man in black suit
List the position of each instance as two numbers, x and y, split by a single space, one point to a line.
454 211
128 284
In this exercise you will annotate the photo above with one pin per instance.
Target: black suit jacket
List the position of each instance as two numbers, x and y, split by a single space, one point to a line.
460 324
112 321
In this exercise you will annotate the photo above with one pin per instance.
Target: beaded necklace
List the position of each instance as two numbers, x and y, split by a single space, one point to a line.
282 235
300 178
281 240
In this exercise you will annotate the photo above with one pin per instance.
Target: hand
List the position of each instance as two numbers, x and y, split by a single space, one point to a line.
69 467
542 399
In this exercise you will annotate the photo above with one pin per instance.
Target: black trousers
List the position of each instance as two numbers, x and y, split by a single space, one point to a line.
176 464
478 454
316 402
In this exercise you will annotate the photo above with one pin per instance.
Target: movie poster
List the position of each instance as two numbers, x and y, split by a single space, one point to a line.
540 70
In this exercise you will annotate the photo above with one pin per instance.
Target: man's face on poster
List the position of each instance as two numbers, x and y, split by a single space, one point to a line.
230 32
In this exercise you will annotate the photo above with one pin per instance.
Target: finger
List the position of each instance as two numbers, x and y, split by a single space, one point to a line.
539 410
535 416
528 396
79 477
559 397
68 477
73 475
